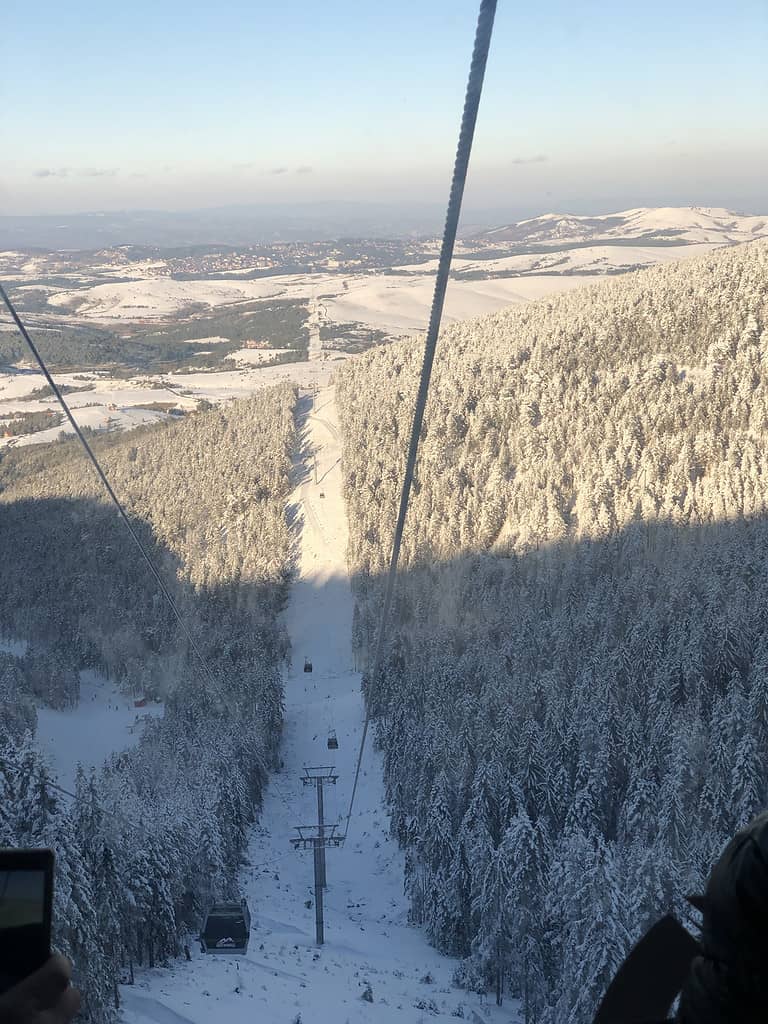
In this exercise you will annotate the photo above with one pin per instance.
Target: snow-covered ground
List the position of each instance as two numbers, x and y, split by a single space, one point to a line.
18 648
585 259
116 404
256 356
105 721
285 977
397 303
401 304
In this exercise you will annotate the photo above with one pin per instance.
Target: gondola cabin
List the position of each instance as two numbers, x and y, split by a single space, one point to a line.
307 665
333 743
227 929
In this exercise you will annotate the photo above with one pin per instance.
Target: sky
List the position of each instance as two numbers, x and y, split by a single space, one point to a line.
588 106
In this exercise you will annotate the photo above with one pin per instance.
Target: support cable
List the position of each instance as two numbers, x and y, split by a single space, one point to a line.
464 149
108 487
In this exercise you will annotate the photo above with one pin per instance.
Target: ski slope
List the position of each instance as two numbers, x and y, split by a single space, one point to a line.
285 977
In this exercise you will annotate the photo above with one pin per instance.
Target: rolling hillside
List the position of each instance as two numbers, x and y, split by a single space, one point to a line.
645 224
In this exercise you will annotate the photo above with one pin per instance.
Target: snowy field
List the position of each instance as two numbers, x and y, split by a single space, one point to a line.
284 977
256 356
105 721
401 304
116 404
397 303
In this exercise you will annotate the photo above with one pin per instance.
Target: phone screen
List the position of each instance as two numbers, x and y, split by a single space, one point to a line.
24 923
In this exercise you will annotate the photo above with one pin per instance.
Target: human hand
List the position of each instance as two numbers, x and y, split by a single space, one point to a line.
45 997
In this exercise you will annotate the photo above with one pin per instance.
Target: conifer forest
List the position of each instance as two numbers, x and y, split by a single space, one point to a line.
573 711
143 846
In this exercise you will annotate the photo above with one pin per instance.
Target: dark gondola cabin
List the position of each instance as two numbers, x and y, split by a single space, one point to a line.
333 743
227 929
307 665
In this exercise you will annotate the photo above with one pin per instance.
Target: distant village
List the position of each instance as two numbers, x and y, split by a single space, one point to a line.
279 257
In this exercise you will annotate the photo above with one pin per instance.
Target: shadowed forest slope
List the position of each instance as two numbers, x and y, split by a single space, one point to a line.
153 838
574 709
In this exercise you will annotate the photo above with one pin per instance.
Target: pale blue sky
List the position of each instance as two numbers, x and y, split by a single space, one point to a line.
588 105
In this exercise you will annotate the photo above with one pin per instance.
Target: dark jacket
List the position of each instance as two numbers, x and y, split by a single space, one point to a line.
724 976
728 981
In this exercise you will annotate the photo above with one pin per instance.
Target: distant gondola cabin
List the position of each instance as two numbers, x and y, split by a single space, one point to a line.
333 743
227 929
307 665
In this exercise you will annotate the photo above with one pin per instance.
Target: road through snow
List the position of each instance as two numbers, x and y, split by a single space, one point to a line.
285 977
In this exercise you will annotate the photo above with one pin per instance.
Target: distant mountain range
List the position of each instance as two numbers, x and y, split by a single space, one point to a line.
240 226
653 226
234 226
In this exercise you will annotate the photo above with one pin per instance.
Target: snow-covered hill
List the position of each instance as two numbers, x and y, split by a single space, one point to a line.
284 977
580 654
668 223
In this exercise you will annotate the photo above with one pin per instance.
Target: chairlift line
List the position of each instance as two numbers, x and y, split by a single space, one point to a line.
482 45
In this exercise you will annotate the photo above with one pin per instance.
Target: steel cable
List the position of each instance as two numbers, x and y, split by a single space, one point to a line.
463 152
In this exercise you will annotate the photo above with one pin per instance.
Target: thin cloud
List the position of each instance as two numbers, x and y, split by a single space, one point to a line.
251 165
80 172
541 158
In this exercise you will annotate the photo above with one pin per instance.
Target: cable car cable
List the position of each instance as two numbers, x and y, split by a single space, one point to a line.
464 149
107 486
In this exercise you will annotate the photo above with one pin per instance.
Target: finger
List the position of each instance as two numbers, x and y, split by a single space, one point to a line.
63 1012
61 967
45 986
68 1006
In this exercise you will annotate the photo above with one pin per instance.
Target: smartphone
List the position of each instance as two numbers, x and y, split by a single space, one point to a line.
26 898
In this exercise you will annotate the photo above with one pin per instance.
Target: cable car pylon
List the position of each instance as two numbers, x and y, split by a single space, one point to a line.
318 838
